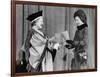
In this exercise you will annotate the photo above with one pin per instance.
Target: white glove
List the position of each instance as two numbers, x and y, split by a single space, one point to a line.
56 46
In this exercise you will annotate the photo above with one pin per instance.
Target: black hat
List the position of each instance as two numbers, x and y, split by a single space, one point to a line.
81 14
34 15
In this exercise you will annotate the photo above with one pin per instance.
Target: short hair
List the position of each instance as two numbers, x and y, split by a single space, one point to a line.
81 14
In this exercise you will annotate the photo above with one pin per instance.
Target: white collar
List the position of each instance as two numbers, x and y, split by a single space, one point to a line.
38 31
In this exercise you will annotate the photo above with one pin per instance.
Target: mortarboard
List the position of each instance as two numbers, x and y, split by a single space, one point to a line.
34 16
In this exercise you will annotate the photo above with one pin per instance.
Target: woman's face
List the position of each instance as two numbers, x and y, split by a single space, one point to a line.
78 21
39 23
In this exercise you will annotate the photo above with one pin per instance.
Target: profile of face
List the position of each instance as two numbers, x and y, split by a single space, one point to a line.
78 21
39 22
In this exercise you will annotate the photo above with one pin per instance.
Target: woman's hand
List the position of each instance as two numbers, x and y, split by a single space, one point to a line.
69 46
52 39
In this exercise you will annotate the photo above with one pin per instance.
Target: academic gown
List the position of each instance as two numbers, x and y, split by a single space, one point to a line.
34 46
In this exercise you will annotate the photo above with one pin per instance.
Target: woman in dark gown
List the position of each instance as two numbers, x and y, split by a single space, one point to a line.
80 41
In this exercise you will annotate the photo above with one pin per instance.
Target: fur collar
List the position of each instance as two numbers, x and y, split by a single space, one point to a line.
82 26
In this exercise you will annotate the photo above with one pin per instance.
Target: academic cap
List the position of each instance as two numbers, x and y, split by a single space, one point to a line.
34 16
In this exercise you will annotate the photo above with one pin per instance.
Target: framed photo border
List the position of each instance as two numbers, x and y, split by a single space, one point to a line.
13 37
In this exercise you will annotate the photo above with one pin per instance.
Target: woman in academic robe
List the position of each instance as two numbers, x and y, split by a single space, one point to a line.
80 42
35 44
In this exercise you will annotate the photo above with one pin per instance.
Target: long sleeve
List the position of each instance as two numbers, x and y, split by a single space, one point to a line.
84 40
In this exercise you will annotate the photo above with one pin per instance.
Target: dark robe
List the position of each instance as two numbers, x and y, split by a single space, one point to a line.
80 43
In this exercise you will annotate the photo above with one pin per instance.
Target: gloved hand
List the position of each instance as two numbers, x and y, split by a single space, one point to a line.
68 46
69 41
